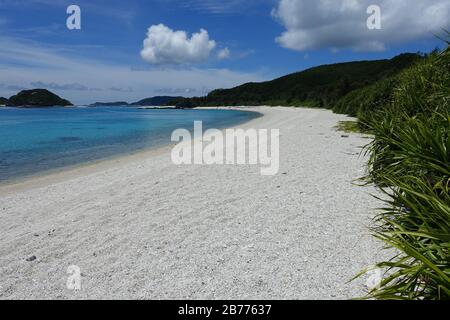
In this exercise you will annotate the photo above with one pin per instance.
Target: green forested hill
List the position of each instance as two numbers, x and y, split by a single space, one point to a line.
321 86
156 101
37 98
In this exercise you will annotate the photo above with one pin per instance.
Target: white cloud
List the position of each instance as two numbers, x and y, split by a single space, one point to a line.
223 54
341 24
166 46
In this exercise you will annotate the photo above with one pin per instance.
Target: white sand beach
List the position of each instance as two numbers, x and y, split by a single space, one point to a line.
140 227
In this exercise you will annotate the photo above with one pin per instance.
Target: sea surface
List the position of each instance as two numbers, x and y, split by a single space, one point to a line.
33 141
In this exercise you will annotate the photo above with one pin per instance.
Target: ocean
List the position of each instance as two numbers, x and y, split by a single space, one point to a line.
33 141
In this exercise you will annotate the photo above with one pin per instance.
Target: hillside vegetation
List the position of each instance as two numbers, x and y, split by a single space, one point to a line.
321 86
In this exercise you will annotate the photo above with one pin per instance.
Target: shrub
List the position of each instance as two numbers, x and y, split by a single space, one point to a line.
410 163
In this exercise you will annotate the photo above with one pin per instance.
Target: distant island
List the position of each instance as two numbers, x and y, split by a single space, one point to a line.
45 98
35 98
147 102
3 101
109 104
157 101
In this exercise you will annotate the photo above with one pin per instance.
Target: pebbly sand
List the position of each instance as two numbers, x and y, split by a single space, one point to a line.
140 227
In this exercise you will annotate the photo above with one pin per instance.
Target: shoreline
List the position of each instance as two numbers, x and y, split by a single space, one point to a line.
60 174
141 227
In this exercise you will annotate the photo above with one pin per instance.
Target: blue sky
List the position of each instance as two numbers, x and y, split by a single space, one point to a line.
243 40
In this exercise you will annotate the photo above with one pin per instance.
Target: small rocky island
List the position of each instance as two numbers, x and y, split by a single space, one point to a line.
156 101
3 101
147 102
37 98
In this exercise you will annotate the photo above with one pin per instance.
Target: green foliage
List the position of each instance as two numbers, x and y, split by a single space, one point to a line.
410 163
360 102
416 221
348 126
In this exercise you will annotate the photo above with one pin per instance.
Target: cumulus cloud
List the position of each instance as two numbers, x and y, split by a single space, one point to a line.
223 54
341 24
166 46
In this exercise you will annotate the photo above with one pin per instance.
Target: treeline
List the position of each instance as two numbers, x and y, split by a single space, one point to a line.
322 87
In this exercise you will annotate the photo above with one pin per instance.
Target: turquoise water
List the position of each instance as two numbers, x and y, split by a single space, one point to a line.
36 140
